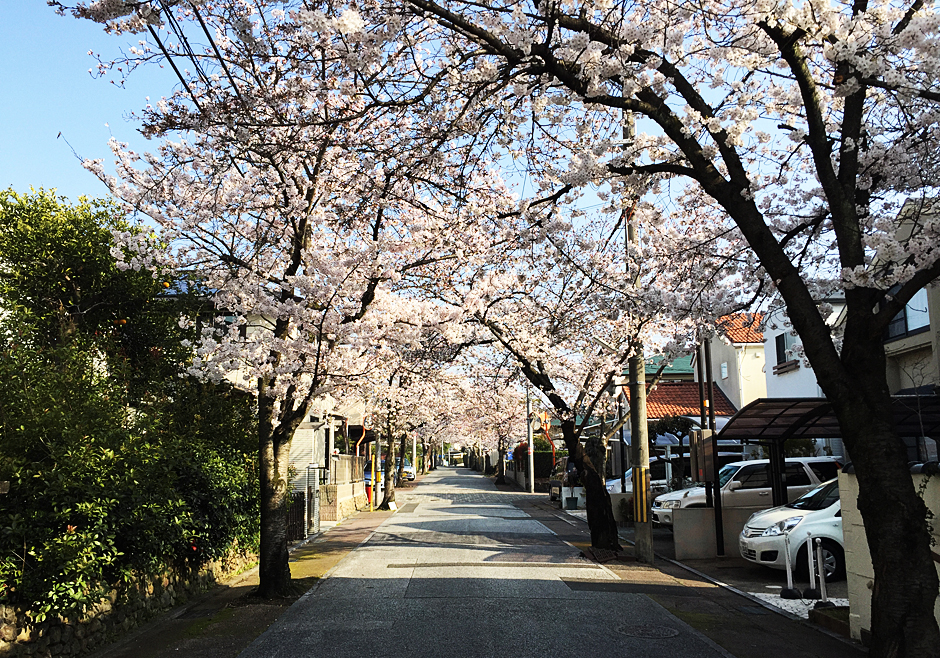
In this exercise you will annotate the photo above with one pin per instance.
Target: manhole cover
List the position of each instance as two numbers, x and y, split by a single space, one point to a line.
649 632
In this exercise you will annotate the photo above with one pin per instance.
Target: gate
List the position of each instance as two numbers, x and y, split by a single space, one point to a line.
303 510
295 516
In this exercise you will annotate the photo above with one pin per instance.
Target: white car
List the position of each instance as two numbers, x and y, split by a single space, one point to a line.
658 481
408 471
747 484
817 514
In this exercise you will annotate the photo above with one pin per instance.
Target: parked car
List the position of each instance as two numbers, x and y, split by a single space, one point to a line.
564 474
659 483
408 471
367 473
747 484
817 513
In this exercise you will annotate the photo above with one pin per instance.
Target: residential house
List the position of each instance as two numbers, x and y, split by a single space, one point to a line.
738 358
911 342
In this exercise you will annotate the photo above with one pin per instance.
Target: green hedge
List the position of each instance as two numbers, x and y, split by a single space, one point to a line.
100 492
542 461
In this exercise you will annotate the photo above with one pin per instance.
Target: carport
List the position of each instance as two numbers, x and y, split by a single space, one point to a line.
769 422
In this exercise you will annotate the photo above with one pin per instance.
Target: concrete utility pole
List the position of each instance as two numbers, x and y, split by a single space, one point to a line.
623 445
529 439
640 453
639 434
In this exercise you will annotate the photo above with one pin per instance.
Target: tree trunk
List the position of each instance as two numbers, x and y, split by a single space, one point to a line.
401 457
596 449
895 517
389 496
273 461
501 464
600 514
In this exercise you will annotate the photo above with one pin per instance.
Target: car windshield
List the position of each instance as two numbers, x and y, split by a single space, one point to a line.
819 498
726 473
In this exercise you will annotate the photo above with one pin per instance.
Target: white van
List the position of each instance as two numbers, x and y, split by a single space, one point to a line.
747 484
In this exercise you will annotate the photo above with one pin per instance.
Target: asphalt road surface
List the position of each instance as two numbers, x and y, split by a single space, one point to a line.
461 571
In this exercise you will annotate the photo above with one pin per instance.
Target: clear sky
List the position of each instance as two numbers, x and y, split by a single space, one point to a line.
46 89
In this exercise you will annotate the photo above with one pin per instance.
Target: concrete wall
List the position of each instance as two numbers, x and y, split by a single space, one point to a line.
694 531
859 573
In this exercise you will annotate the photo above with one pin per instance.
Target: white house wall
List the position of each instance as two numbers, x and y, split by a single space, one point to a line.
308 447
799 383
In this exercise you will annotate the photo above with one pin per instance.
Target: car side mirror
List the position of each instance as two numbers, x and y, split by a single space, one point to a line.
734 485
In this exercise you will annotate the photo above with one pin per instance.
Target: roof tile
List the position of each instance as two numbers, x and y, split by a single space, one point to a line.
681 399
742 327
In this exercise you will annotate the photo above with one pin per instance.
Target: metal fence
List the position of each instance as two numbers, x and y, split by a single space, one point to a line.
303 511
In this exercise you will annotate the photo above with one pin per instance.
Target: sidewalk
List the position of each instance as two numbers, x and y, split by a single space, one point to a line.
223 621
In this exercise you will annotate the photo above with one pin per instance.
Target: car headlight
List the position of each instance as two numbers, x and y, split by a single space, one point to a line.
671 504
782 527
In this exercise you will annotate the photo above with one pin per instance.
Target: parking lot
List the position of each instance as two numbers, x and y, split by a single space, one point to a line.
732 570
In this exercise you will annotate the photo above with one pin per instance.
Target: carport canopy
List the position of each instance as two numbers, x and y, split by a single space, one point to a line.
771 421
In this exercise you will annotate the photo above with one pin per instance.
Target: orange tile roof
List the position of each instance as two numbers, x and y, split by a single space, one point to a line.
742 327
681 399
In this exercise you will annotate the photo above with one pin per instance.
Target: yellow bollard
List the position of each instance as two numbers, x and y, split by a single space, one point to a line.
374 483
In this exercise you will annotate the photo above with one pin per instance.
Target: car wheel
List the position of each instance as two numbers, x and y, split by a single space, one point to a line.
833 558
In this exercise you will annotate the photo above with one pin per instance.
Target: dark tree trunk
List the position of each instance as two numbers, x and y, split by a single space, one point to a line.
905 584
600 514
596 449
273 461
501 464
401 457
389 496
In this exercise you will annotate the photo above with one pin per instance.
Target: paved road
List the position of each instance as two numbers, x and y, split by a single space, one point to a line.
465 570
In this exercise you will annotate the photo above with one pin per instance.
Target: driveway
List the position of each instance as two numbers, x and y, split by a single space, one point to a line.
760 582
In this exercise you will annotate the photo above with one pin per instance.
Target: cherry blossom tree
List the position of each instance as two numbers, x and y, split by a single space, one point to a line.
775 139
305 205
798 128
555 300
498 413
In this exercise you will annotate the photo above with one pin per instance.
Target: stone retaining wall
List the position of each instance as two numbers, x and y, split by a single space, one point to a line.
338 501
114 615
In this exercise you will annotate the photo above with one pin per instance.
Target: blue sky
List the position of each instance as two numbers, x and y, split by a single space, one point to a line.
47 89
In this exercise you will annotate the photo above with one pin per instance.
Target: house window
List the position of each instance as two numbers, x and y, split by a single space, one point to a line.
914 319
784 345
724 370
785 342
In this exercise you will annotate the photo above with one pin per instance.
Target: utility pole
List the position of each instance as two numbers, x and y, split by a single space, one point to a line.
623 445
639 434
716 487
529 439
640 453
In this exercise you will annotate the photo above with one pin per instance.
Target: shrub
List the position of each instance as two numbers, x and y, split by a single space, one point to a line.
117 466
